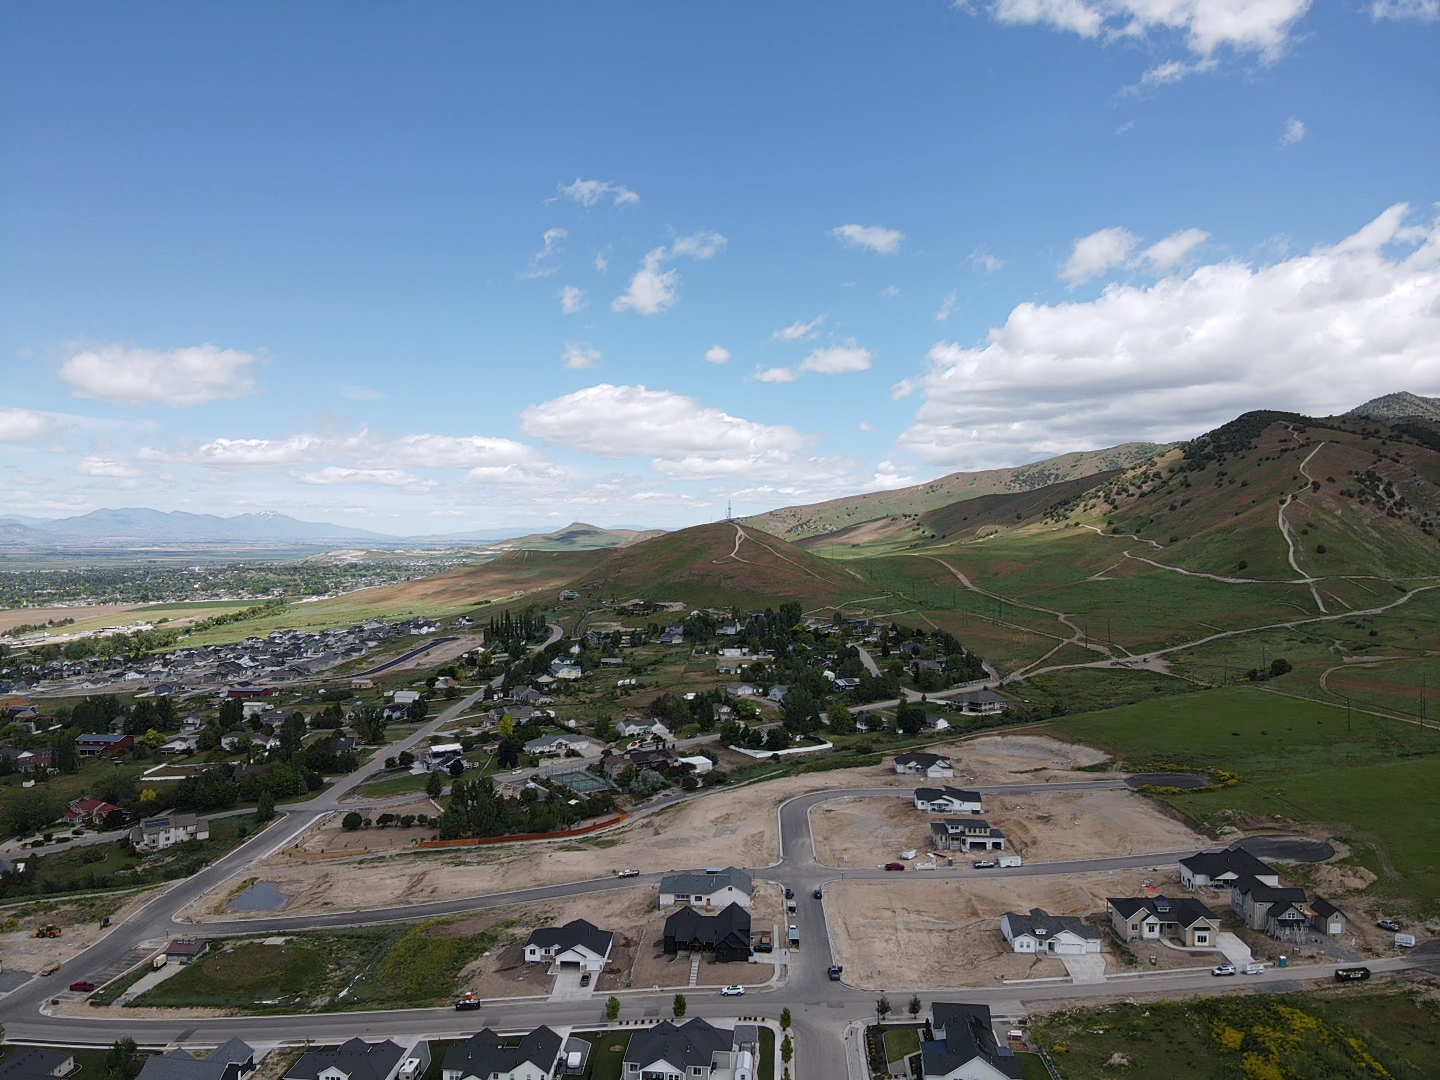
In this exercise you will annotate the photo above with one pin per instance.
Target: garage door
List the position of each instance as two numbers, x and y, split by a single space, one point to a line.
1068 949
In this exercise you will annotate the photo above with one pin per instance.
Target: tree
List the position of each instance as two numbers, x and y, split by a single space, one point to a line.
679 1006
787 1049
404 759
841 720
882 1008
506 727
120 1063
910 719
417 710
457 767
30 810
352 821
785 1018
434 785
612 1008
914 1007
264 805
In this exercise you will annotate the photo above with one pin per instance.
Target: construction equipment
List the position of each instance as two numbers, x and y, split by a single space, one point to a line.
49 930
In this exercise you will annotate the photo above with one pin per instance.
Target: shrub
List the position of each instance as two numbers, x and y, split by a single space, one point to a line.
351 821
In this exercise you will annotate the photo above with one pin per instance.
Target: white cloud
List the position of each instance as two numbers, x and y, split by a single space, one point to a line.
1315 333
654 289
602 263
1423 10
1294 132
539 267
337 474
684 439
1172 251
360 393
890 290
837 360
180 378
772 374
1098 252
19 425
947 307
865 425
1257 27
717 354
579 355
98 466
589 192
572 300
798 330
455 452
871 237
985 261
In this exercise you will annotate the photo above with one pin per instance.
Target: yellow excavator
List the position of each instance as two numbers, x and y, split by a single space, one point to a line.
49 930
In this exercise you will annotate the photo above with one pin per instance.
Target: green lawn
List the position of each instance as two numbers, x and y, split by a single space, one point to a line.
1375 782
394 785
767 1053
608 1056
900 1043
383 967
1277 1037
1034 1067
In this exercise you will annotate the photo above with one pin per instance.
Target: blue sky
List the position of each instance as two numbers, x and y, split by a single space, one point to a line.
425 268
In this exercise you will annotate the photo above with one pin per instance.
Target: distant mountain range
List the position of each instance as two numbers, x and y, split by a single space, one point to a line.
144 528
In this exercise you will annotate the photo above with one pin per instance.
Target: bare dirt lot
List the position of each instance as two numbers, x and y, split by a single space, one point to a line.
736 826
79 922
946 933
12 617
1050 826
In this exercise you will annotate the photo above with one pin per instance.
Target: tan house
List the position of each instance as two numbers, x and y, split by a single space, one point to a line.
1146 918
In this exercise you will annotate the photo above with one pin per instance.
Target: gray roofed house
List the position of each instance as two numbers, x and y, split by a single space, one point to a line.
986 702
484 1056
1326 917
923 764
964 1047
1054 935
229 1062
947 800
711 890
355 1059
577 943
965 834
1253 898
668 1050
1221 869
34 1062
1137 918
727 934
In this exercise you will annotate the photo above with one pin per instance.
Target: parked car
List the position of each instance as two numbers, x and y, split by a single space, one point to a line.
1223 969
1388 924
789 894
835 972
84 986
732 991
585 978
1352 974
983 864
894 866
466 1003
818 894
627 873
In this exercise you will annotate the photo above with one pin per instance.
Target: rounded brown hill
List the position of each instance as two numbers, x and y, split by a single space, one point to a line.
724 564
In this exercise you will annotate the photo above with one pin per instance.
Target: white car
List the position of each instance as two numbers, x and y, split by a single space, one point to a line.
732 991
1223 969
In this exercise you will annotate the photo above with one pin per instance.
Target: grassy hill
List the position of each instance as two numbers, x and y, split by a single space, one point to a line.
721 565
578 536
799 522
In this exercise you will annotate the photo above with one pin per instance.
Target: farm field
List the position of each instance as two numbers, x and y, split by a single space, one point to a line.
1336 1032
1370 780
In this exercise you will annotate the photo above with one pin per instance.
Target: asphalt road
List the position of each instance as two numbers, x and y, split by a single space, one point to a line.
821 1008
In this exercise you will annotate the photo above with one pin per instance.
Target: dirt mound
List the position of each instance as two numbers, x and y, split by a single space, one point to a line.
1339 880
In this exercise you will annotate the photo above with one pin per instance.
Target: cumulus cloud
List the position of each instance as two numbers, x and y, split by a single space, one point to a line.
1098 252
772 374
870 237
339 474
837 360
98 466
654 289
798 330
1174 249
589 192
20 425
179 378
540 266
579 355
985 261
684 439
572 300
1257 27
717 354
1317 333
1294 132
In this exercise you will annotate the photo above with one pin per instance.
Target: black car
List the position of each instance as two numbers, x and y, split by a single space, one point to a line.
835 972
818 894
789 894
465 1004
585 978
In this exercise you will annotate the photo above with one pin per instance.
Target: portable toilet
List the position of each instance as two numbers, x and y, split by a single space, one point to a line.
1284 961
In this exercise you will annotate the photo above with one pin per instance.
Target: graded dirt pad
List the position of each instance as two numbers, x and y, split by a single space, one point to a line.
331 839
736 826
637 959
1049 826
946 933
12 617
79 922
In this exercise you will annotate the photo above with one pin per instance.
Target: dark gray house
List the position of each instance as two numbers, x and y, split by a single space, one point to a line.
353 1060
727 934
232 1061
484 1056
964 1046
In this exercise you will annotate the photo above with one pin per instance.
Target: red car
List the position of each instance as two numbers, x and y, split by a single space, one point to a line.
894 866
82 985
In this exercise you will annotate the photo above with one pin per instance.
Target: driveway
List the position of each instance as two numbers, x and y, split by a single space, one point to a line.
567 986
1089 968
1235 950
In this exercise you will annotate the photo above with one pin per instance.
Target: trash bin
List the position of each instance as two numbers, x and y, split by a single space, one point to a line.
1284 961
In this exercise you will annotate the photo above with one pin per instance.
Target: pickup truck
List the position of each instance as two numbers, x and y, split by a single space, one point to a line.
835 972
